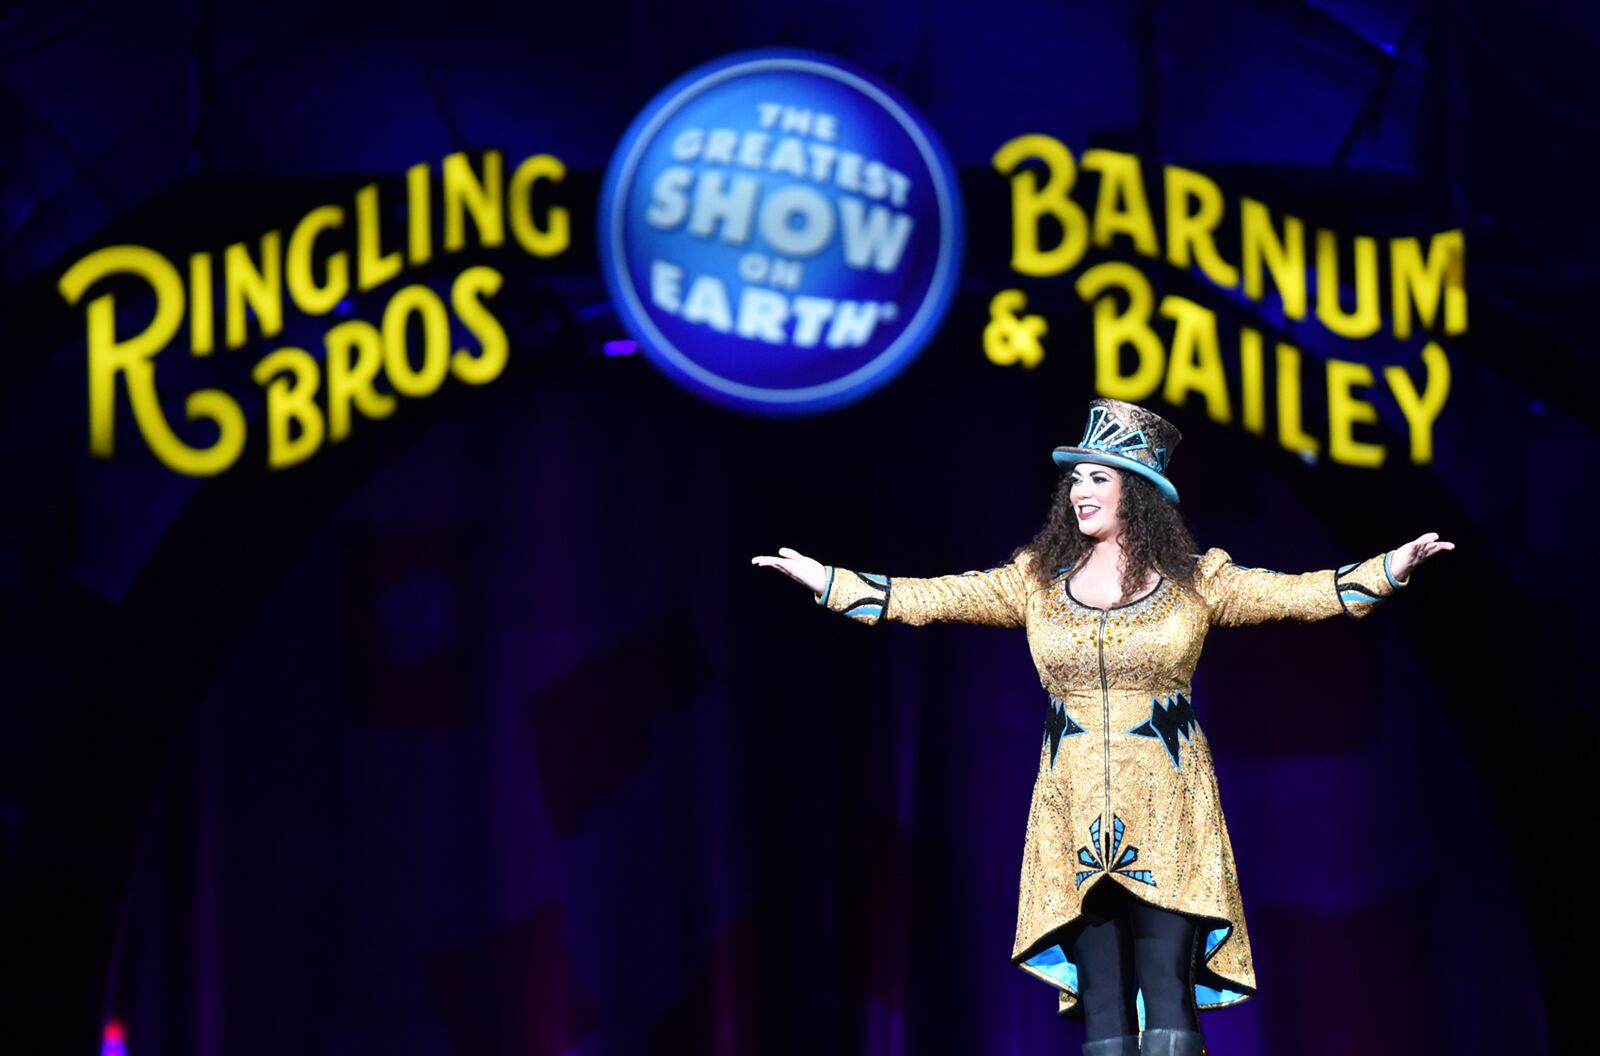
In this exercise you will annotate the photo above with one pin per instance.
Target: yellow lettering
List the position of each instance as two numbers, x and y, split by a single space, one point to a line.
374 267
1121 207
1421 411
419 213
1345 409
464 193
202 296
109 357
1252 392
314 299
1291 437
423 302
259 287
556 235
1189 234
1414 282
467 295
351 383
1284 257
1196 363
294 422
1030 204
1113 330
1363 321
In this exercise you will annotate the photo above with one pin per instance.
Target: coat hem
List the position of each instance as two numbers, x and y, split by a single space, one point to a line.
1203 975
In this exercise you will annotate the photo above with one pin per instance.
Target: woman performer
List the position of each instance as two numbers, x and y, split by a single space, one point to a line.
1129 894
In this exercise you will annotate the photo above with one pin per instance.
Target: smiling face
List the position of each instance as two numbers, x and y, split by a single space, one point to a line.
1097 499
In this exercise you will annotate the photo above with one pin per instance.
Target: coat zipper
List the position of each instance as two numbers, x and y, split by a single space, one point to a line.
1105 728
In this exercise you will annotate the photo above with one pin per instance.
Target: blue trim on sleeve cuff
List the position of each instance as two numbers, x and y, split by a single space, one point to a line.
1392 581
822 599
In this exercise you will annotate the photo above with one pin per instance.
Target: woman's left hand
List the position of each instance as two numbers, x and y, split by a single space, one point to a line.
1405 558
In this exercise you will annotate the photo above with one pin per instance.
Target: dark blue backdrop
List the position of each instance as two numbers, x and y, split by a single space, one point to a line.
479 734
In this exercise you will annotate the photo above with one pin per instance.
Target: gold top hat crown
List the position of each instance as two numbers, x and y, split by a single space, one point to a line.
1128 437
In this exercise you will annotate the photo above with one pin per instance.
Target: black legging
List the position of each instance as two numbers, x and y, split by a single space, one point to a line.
1122 945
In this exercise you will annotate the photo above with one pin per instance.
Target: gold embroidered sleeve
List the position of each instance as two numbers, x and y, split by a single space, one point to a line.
996 597
1237 595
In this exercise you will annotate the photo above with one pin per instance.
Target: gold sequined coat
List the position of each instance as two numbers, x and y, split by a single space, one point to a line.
1126 791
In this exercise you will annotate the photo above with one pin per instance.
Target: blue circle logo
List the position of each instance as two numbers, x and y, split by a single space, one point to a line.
780 231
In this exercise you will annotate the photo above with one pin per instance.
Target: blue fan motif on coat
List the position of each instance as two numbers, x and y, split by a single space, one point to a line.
1169 720
1115 852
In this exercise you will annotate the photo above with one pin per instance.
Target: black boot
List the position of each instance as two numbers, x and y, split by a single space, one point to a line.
1165 1041
1126 1045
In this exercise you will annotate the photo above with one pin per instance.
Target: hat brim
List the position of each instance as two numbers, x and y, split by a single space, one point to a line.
1071 456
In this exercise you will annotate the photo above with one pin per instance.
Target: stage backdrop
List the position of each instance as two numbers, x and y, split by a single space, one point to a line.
394 398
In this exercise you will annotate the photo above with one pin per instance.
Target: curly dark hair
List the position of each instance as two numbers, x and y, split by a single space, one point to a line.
1153 537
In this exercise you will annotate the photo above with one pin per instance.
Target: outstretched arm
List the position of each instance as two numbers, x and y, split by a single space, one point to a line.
1238 595
1409 555
996 596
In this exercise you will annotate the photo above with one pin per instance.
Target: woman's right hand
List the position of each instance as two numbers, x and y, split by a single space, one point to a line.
798 567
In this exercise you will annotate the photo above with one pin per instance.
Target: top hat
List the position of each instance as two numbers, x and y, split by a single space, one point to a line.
1130 438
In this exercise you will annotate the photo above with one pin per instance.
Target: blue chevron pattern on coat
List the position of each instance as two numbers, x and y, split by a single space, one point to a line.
1058 724
1169 720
